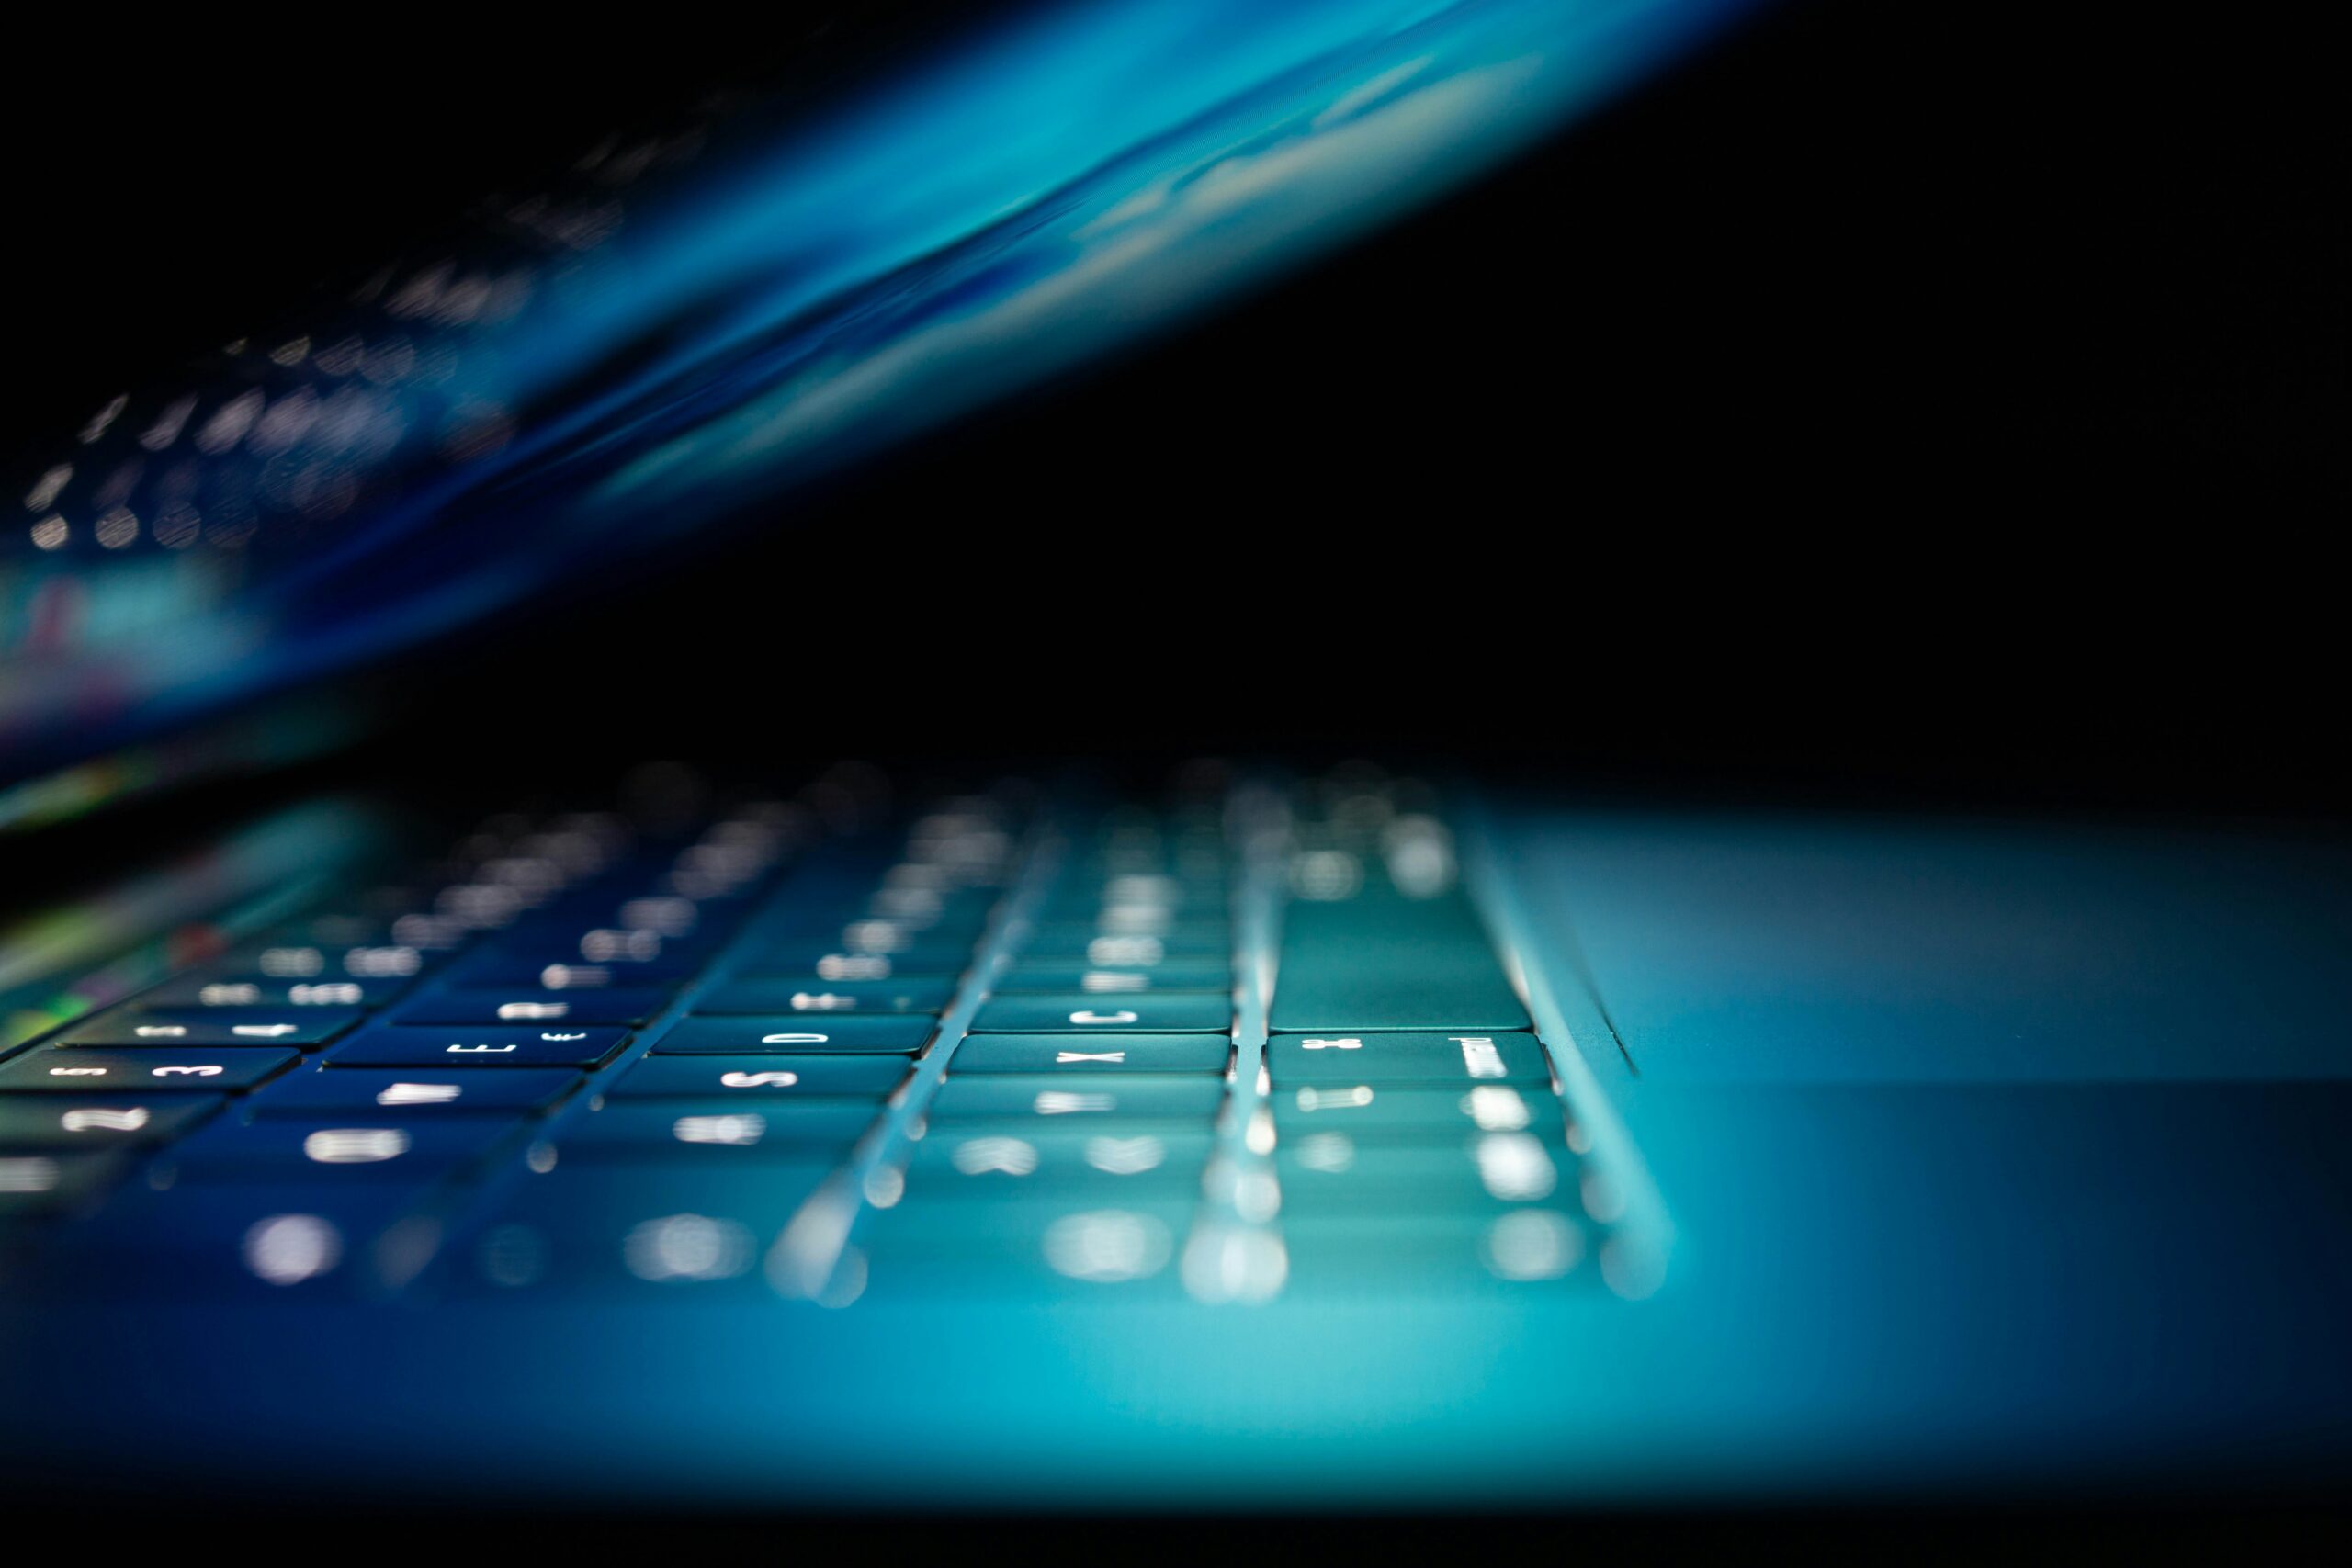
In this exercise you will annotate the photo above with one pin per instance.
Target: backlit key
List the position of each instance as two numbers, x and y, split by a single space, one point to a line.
810 996
566 1010
1078 1012
1210 976
370 1092
760 1078
214 1026
1193 1097
253 991
647 1129
355 1146
1374 1059
44 1124
878 1035
1109 1053
460 1046
86 1072
1375 961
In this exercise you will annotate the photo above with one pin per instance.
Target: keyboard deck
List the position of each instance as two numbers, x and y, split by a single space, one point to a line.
1228 1043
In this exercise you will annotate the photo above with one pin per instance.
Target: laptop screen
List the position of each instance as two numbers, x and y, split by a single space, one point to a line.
701 314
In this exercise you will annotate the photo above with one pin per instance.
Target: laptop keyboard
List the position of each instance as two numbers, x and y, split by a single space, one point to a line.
1228 1045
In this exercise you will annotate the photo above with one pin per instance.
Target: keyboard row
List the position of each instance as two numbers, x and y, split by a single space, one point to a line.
624 1085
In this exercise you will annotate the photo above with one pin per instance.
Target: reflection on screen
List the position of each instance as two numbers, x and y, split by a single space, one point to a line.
695 316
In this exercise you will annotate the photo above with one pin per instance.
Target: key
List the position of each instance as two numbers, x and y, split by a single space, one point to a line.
1519 1250
311 961
1380 961
640 1129
822 1125
829 998
1135 920
1192 852
83 1071
1105 1054
1167 898
1205 884
870 896
1073 1095
391 1046
629 1005
214 1026
364 1091
791 959
1135 888
369 1147
899 898
1075 941
1078 1012
1067 1241
1392 1114
849 932
901 1034
622 906
1378 1058
625 949
1029 976
1332 1170
255 990
976 1160
560 972
634 1226
29 1125
760 1078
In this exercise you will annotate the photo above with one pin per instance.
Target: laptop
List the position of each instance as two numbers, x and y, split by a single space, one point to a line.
666 859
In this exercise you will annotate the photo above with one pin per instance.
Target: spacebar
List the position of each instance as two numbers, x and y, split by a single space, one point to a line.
1379 961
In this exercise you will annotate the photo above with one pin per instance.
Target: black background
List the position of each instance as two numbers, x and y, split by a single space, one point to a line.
1918 401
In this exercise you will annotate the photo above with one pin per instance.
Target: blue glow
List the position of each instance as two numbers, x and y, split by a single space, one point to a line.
771 309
